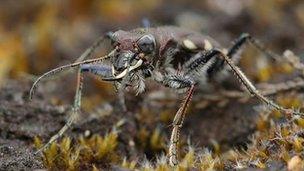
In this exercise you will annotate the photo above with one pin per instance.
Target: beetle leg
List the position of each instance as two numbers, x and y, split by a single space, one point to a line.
247 38
121 93
201 62
177 125
89 51
73 116
233 52
97 69
177 81
249 86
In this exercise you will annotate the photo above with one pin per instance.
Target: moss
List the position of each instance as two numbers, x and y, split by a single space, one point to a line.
85 153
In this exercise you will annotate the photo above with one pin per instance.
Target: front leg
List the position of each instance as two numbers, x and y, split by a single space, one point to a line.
177 125
177 81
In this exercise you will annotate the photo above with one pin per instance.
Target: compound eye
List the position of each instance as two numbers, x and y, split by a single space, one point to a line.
146 43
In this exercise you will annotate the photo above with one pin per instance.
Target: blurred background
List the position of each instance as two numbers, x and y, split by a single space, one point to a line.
38 35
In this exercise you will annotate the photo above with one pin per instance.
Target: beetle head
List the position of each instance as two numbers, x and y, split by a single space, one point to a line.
134 51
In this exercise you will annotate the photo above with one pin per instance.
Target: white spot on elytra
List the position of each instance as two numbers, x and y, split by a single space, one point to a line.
207 45
189 44
225 51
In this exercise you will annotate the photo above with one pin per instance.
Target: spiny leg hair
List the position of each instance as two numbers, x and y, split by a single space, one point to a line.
178 81
177 125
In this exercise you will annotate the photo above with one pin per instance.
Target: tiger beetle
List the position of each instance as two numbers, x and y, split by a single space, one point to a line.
172 56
